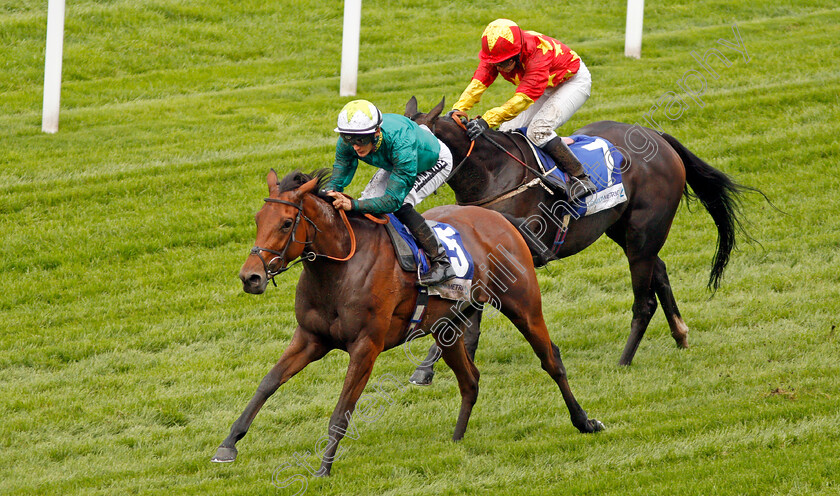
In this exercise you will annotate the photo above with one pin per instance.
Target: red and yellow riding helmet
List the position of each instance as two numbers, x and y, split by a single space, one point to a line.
501 40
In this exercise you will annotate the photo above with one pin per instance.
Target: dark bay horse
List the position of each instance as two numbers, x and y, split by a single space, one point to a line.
656 173
362 303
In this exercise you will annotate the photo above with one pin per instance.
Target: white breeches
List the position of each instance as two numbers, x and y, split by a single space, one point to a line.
554 108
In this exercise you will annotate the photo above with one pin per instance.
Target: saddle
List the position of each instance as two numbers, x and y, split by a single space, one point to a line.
402 250
602 162
411 257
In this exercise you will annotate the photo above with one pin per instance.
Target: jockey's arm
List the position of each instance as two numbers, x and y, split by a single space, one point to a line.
507 110
470 96
483 77
343 169
402 178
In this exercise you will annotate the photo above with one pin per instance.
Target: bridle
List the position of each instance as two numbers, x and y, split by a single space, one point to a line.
306 255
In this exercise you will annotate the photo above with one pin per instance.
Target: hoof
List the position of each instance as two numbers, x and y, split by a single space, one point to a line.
224 455
422 377
594 426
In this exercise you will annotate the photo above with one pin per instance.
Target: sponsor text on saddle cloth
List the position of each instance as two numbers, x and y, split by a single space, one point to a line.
462 262
601 161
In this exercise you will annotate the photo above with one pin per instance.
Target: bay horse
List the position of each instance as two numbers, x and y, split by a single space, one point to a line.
497 171
362 301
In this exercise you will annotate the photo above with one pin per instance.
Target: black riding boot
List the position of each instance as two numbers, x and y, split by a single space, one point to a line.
566 160
439 268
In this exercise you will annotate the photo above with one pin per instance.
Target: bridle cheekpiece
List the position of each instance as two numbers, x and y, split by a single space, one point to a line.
281 255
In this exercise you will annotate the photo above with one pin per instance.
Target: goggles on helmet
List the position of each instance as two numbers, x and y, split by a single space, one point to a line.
358 139
507 62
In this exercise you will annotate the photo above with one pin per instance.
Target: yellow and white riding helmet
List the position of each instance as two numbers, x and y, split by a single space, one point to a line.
359 117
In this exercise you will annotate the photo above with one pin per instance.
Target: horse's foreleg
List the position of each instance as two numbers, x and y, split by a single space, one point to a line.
363 354
644 305
662 286
304 349
425 372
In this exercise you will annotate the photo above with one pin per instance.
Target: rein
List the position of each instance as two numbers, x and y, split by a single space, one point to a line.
457 118
500 147
308 256
525 185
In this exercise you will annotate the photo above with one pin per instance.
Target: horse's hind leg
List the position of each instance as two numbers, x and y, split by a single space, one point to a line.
649 279
425 372
304 349
527 317
662 286
456 357
644 306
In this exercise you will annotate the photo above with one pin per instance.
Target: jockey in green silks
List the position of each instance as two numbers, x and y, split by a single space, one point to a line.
413 163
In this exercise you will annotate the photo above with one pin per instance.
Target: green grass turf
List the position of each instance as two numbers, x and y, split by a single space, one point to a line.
127 347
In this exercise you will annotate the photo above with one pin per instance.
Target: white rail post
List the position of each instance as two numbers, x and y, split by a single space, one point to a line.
350 47
52 65
633 29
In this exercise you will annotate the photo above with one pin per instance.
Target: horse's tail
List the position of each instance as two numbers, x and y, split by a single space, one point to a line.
721 196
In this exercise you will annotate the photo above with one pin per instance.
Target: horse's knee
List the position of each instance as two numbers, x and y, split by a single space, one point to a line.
660 275
659 266
268 385
470 396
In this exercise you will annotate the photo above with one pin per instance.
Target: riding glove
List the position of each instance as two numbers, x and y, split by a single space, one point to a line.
476 127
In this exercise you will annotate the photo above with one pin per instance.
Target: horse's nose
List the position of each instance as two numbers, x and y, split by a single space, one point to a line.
252 282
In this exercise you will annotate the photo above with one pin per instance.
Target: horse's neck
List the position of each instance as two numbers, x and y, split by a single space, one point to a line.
334 237
331 238
334 241
487 172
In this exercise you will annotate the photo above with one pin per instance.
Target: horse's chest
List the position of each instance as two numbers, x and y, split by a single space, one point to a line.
334 311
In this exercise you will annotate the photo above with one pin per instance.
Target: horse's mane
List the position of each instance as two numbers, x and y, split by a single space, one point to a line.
296 179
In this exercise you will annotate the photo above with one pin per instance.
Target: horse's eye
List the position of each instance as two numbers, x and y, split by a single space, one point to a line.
286 225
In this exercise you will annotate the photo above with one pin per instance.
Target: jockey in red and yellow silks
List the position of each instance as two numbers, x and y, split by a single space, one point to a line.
543 63
551 81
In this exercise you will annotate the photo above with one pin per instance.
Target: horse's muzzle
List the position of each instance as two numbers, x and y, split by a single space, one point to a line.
253 282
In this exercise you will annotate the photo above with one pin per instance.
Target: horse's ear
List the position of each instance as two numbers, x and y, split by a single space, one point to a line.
271 179
435 112
308 186
411 107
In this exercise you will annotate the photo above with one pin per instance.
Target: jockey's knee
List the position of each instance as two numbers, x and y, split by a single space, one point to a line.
540 135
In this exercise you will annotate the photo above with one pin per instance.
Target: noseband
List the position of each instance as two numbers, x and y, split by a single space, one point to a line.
307 255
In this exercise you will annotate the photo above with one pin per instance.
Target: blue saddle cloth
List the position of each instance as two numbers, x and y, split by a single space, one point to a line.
602 162
459 257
